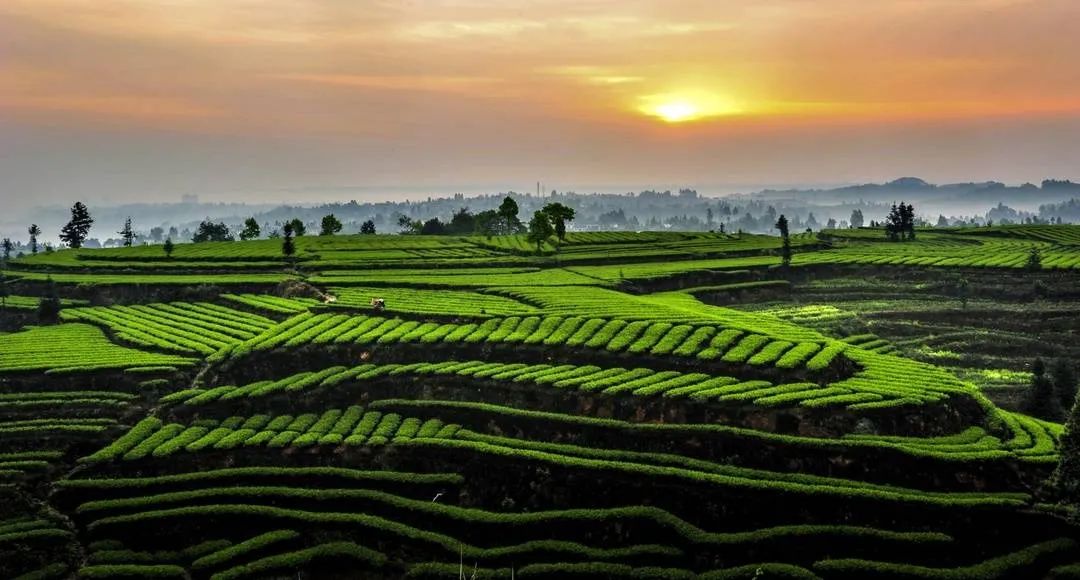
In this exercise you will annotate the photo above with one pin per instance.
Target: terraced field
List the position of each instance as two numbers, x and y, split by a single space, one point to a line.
586 413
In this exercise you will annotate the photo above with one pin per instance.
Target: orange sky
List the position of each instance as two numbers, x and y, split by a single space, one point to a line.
214 95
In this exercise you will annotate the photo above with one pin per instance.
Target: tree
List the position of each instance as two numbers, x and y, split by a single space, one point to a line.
1034 260
168 247
330 225
559 214
540 229
463 222
34 232
49 305
785 240
251 230
942 222
487 223
74 233
856 218
298 227
1041 401
209 231
508 214
156 233
1063 376
907 220
1065 481
127 233
288 247
7 248
368 227
406 225
433 227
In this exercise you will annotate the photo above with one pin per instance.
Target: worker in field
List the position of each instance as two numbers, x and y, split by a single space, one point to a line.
378 304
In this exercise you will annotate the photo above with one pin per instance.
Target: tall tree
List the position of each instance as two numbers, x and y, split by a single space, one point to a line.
1065 481
288 247
1063 376
785 240
433 227
540 229
168 247
74 232
907 215
7 247
330 225
463 222
34 232
251 230
856 218
559 214
508 214
368 227
1041 401
298 227
127 233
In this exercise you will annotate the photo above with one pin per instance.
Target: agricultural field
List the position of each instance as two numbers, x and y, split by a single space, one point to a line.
620 404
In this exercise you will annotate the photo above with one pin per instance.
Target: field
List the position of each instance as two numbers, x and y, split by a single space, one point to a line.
646 405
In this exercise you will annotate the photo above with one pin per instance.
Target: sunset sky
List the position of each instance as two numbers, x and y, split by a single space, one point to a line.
281 99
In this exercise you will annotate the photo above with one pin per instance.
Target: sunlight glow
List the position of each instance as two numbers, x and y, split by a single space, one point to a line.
687 106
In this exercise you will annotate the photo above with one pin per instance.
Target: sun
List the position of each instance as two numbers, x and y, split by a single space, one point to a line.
677 111
686 106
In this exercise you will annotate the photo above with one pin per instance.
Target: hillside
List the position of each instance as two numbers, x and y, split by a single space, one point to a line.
648 405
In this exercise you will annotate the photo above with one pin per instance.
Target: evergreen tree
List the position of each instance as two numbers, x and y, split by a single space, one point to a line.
168 247
894 224
1065 384
1065 481
251 230
540 229
1041 401
330 225
7 247
368 227
559 214
785 240
907 215
127 233
34 232
288 247
942 222
74 233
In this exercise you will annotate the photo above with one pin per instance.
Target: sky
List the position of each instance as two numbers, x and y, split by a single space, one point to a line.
305 100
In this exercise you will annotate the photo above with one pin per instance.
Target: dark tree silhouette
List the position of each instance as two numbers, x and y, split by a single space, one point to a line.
74 232
368 227
168 247
1034 260
1065 481
508 214
433 227
7 246
540 229
559 214
127 233
209 231
785 240
856 218
1041 401
330 225
251 230
288 247
34 232
298 227
1063 376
